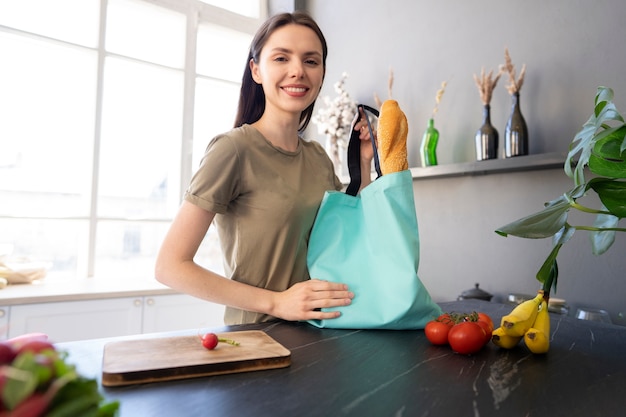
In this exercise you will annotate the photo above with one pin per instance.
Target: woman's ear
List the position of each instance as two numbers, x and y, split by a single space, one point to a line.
254 70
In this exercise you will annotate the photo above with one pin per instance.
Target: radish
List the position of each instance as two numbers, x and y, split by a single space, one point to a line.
25 338
7 353
33 406
35 346
210 341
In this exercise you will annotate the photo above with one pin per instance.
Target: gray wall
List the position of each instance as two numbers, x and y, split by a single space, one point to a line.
570 47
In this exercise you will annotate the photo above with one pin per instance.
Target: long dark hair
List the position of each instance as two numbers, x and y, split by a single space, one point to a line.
251 97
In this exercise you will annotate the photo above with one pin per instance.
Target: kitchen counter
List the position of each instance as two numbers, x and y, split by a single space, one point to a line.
60 290
395 373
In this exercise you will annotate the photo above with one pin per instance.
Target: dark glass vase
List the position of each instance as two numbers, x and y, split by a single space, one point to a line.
428 148
486 138
516 133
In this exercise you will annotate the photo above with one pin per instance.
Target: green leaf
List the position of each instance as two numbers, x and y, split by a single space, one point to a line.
563 235
541 224
608 159
19 385
79 397
549 271
612 193
604 94
601 241
109 409
584 141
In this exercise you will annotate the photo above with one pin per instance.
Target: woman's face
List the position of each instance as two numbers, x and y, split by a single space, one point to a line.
290 69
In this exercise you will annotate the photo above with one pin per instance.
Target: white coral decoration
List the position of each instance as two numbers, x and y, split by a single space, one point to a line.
335 118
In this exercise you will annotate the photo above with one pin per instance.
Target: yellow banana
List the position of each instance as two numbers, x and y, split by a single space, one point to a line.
503 340
537 338
522 317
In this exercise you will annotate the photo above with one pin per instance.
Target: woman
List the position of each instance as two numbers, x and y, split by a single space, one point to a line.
262 185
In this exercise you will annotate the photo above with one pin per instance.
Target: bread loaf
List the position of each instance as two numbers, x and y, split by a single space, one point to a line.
393 131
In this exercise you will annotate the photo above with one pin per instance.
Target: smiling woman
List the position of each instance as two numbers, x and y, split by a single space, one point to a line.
104 123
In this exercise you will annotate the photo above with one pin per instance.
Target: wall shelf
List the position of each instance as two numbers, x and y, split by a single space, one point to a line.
492 166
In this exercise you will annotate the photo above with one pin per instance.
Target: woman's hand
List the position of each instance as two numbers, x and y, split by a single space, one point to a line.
367 152
304 300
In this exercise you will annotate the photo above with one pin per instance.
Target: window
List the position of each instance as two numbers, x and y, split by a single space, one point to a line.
106 107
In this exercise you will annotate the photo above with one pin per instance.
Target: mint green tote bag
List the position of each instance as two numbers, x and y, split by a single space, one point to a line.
370 241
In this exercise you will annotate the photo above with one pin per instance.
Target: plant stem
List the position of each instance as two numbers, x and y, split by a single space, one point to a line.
229 341
599 229
587 209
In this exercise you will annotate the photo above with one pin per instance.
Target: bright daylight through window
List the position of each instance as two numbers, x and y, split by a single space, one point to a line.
106 107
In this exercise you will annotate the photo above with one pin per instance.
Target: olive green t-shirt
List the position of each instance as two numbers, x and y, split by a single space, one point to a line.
265 200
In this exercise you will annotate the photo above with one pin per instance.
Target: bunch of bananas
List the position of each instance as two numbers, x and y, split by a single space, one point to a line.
529 321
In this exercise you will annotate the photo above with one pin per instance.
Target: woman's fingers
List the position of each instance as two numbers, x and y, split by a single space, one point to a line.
326 294
362 127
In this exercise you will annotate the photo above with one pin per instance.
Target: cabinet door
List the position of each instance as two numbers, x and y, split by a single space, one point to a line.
165 313
78 320
4 323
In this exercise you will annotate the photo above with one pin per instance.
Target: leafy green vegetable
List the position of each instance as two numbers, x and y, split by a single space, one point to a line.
50 377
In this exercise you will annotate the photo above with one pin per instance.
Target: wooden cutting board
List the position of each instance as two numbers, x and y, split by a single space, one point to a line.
150 360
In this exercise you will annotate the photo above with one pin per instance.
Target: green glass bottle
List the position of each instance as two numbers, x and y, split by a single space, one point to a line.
428 148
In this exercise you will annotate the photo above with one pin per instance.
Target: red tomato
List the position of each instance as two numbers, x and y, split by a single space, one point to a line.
437 332
466 337
446 319
484 317
487 329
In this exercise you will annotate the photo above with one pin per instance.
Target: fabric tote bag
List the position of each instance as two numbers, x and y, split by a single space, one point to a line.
370 242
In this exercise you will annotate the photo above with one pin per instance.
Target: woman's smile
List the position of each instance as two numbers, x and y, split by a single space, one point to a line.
295 90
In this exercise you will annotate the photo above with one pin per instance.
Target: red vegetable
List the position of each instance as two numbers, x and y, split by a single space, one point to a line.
467 337
33 406
210 341
35 346
448 319
437 332
487 329
18 341
7 353
484 317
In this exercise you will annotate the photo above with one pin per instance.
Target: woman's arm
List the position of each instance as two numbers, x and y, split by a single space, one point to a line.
176 268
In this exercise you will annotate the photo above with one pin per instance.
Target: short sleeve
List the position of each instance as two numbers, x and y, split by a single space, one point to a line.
216 182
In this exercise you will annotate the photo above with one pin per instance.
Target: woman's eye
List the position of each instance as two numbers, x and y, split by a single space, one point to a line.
311 62
280 59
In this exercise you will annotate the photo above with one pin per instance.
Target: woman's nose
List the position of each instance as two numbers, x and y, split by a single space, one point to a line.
296 69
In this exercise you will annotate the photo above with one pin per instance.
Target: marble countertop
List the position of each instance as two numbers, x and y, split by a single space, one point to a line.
396 373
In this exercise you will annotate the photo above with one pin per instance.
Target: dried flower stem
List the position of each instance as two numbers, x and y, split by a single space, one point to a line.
438 97
486 84
514 86
378 101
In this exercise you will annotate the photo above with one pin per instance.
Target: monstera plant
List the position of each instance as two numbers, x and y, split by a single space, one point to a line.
596 162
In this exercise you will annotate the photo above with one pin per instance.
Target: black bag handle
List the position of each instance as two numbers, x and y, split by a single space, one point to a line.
354 151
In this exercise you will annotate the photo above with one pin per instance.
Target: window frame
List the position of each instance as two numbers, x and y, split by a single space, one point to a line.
196 13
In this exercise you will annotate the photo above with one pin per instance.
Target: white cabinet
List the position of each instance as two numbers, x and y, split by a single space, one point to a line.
77 320
4 323
165 313
92 319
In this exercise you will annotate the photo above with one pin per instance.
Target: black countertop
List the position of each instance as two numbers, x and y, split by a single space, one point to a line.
395 373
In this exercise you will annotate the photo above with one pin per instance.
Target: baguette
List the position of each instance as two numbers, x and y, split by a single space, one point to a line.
393 131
